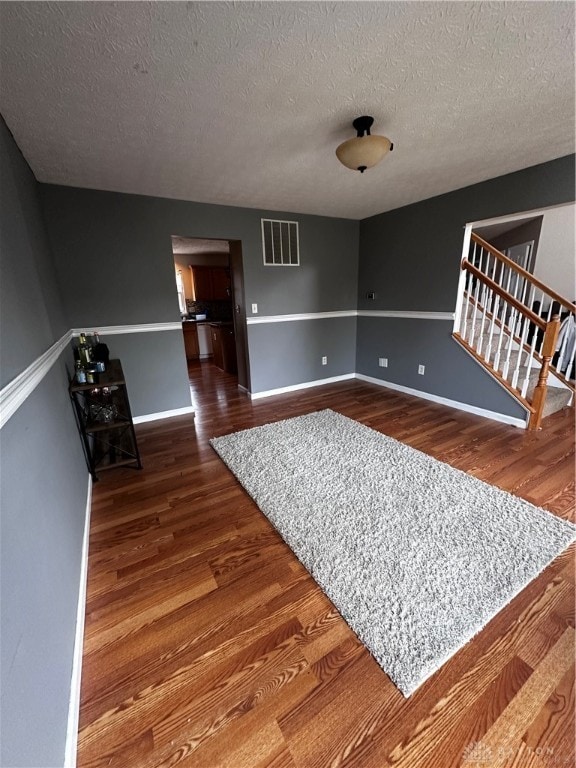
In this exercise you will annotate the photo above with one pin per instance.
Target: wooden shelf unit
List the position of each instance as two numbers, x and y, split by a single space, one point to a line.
104 420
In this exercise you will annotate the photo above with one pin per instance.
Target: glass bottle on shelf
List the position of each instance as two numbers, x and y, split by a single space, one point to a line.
100 353
84 350
80 373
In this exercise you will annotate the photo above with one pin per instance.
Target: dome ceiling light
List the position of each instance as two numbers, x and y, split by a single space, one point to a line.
365 150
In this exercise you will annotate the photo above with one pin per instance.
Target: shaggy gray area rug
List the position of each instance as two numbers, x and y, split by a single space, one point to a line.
416 556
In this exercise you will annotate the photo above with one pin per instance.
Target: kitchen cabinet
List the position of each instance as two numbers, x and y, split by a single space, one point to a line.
211 283
221 284
224 346
191 346
202 283
104 420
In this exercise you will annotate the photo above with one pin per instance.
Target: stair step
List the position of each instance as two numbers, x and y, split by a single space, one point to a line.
512 359
556 397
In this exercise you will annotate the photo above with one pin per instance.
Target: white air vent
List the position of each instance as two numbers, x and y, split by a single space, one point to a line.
280 243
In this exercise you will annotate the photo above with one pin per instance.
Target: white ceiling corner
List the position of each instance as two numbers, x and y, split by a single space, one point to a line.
245 103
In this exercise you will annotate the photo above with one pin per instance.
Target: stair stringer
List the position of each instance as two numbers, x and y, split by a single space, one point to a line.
495 377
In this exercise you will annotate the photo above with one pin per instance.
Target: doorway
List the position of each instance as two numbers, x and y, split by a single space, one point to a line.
517 239
520 254
209 280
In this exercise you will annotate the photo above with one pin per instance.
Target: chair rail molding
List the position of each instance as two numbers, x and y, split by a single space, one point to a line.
13 394
405 314
17 391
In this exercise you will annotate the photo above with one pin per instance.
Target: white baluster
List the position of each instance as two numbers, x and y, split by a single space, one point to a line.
525 283
484 270
483 319
524 325
493 301
529 365
474 313
531 294
508 313
503 306
466 307
509 343
509 280
500 274
494 268
522 299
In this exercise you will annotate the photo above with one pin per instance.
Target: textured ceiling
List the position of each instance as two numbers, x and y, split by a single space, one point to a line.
245 103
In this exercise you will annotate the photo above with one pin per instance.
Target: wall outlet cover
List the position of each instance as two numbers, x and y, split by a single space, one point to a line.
421 369
254 309
324 360
383 362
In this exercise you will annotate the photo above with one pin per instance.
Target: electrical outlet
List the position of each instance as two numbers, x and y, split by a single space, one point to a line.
371 295
254 309
324 360
383 362
421 369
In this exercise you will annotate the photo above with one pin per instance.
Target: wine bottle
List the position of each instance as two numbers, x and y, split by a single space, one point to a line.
84 350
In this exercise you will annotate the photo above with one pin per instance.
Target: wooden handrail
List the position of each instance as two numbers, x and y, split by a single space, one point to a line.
521 271
549 327
532 316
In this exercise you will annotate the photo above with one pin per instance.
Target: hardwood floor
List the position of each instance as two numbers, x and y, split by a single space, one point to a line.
207 644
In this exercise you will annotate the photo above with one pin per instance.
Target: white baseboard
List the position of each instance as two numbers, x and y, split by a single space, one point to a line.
163 414
501 417
304 385
74 705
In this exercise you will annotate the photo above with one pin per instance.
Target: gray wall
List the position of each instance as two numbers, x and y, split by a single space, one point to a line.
115 266
31 316
154 365
410 258
43 490
449 371
291 352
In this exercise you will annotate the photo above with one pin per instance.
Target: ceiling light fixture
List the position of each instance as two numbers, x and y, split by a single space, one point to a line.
365 150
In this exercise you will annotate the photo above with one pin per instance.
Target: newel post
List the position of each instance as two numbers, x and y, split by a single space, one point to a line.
548 349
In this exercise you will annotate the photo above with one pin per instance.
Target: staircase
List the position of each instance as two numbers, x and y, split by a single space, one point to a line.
518 329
